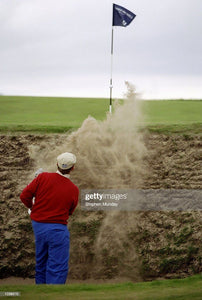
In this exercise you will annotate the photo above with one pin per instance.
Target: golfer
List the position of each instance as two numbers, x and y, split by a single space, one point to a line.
56 197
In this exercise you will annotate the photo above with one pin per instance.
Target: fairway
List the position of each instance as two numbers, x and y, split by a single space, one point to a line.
48 114
183 289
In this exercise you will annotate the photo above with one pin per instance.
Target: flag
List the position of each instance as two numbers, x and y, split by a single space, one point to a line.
122 16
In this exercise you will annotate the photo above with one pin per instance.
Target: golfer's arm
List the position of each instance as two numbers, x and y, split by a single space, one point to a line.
75 203
28 193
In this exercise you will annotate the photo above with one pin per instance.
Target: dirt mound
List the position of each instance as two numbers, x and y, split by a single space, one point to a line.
157 244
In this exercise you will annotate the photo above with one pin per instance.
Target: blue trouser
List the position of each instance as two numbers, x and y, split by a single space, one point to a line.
52 252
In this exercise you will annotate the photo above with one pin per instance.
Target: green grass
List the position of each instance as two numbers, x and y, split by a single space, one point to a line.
177 112
48 114
41 113
182 289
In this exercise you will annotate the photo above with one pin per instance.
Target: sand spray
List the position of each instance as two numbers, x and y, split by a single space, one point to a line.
110 155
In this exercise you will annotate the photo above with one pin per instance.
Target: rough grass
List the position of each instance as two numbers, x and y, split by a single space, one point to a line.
57 115
183 289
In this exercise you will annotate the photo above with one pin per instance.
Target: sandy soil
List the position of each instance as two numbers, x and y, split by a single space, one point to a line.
173 162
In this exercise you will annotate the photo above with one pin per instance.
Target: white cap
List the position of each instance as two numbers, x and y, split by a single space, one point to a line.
66 160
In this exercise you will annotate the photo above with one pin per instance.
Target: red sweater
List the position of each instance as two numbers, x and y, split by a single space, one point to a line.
56 197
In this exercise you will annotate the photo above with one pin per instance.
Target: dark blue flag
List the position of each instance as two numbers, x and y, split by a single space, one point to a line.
122 16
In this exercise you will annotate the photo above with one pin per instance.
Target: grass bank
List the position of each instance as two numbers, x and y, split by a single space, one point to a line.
183 289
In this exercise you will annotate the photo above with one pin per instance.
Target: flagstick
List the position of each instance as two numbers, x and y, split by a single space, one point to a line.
111 86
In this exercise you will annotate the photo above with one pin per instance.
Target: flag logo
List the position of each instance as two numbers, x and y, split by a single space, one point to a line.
122 16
